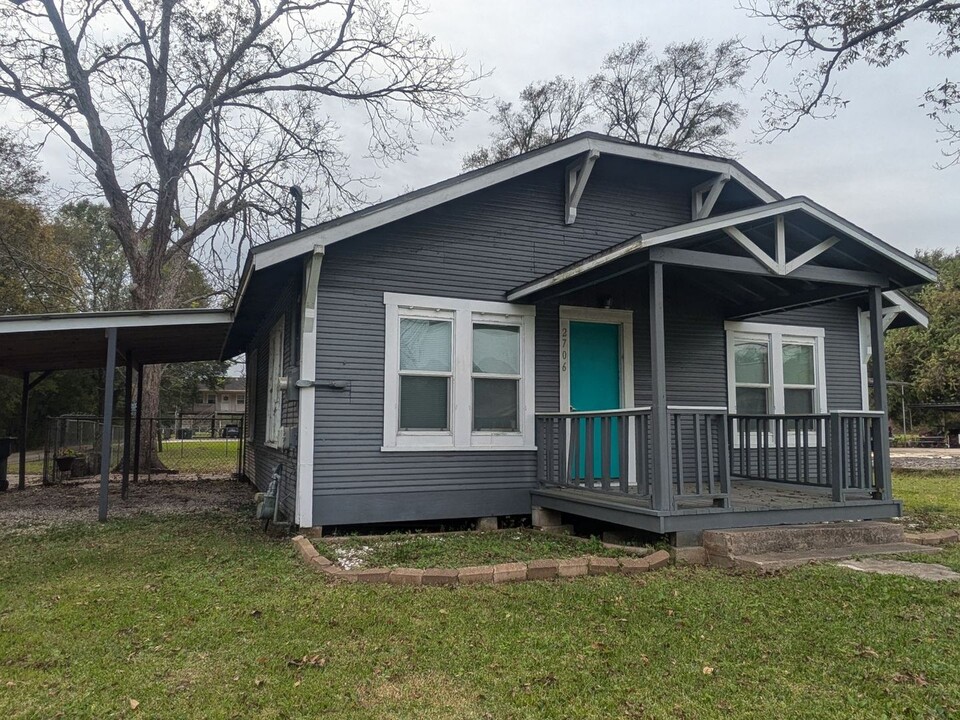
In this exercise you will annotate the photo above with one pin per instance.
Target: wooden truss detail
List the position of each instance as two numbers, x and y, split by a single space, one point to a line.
705 196
778 264
578 173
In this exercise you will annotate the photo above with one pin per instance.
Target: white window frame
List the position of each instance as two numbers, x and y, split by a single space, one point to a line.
776 336
463 314
274 415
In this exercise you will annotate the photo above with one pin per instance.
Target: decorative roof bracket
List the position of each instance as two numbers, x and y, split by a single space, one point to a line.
578 172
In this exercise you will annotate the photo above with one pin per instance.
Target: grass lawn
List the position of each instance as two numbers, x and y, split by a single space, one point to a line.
202 616
458 550
931 499
217 456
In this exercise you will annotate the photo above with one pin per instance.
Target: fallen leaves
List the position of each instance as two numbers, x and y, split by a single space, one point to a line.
308 661
134 704
707 670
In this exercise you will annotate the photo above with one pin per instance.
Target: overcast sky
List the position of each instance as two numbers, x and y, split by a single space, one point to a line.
874 164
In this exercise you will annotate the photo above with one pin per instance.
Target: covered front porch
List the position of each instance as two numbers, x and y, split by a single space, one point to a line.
752 385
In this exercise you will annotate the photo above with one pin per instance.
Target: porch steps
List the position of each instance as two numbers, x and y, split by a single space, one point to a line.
768 549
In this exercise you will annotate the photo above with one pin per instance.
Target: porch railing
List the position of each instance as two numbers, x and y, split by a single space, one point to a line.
611 452
834 451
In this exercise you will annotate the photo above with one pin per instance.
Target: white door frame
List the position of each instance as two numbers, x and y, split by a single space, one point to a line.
622 318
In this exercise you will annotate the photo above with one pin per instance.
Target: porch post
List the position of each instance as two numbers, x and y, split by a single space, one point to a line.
881 441
127 419
137 423
22 449
106 435
659 427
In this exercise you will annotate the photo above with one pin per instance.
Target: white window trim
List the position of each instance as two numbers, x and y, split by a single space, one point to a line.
276 343
250 409
461 435
623 318
777 335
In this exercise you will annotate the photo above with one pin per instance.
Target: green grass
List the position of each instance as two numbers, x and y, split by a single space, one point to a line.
217 456
202 616
931 498
459 549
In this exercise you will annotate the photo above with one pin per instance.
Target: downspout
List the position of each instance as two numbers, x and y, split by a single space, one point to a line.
307 392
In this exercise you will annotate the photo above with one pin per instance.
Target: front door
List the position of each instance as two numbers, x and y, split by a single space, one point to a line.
595 379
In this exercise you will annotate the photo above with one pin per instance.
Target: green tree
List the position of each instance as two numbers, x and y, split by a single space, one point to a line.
929 359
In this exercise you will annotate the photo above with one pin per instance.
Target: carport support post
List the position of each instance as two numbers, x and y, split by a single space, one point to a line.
127 399
137 424
107 421
24 399
659 421
881 441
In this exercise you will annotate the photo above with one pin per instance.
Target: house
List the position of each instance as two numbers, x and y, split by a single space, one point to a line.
231 398
609 330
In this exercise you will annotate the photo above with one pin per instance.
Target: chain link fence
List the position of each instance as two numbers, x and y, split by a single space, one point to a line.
184 445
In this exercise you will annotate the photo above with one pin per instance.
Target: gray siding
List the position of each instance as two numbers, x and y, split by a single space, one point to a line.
260 459
478 247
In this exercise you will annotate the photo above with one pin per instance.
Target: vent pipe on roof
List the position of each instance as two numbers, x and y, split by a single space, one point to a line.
297 195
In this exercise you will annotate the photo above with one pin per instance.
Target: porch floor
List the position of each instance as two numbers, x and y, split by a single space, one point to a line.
752 503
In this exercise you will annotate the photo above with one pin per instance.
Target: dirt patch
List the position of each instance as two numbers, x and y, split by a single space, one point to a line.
39 506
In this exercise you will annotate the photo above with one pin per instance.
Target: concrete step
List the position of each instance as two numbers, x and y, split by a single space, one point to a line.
772 562
799 538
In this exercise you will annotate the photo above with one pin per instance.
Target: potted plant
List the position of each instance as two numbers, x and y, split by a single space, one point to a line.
65 460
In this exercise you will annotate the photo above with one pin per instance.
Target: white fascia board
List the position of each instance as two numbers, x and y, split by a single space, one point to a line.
103 321
272 255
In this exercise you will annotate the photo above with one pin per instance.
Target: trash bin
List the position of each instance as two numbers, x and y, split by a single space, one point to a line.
7 446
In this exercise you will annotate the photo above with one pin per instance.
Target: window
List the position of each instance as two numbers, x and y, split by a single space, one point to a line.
274 385
775 369
458 374
211 399
240 399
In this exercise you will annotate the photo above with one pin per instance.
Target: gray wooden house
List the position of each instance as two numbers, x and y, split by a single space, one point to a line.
614 331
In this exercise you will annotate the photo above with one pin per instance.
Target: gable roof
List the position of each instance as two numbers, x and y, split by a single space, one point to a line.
341 228
702 227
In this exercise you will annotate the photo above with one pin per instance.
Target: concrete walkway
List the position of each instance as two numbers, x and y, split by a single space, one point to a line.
922 571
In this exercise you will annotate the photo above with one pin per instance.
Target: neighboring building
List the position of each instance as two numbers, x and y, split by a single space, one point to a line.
231 398
614 331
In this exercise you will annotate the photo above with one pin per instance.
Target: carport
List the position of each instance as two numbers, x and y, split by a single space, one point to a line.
34 346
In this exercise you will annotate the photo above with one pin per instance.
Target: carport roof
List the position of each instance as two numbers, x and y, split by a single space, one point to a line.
36 343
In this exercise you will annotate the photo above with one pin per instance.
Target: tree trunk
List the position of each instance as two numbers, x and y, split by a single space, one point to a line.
150 414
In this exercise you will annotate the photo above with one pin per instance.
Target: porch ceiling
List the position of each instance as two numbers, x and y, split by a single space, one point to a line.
36 343
792 249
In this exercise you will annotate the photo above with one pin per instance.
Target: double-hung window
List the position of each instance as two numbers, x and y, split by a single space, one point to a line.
775 369
458 374
274 385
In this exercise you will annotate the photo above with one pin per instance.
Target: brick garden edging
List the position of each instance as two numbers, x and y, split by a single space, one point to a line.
940 537
501 573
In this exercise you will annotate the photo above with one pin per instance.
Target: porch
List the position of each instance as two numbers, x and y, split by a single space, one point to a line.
758 335
723 470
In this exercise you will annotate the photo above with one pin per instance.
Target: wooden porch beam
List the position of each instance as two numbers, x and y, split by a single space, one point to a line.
751 247
810 254
661 495
578 173
881 441
105 444
751 266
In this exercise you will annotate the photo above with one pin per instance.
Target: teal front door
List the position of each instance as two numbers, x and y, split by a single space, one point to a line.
595 380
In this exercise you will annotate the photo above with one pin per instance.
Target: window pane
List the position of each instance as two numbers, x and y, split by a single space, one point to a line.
425 344
495 405
423 403
496 349
797 364
751 401
751 362
798 402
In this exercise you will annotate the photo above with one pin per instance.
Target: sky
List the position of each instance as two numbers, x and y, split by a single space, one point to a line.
875 164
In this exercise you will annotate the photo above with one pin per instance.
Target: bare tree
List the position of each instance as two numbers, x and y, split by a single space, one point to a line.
19 175
679 101
825 38
194 117
548 111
